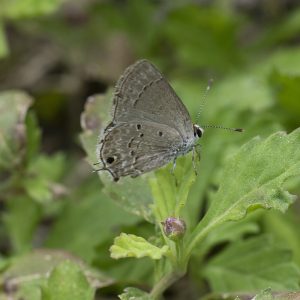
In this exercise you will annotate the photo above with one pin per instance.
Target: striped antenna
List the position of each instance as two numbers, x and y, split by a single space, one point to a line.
222 127
210 82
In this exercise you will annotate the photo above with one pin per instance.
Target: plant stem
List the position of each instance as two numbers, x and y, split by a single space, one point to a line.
179 266
164 283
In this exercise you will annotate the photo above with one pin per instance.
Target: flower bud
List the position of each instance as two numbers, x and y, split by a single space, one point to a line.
174 228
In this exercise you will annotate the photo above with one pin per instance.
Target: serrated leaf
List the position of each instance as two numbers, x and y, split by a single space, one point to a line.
118 268
251 265
131 293
67 282
266 294
134 195
37 265
129 245
253 178
269 295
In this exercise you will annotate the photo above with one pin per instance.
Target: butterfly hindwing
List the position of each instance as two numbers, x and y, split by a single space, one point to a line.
134 148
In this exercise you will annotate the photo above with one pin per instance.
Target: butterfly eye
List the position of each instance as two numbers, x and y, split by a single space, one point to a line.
198 131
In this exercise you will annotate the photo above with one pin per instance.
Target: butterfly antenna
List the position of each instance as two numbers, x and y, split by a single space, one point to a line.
222 127
209 85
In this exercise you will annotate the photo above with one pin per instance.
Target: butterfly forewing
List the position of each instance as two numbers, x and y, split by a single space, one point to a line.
142 93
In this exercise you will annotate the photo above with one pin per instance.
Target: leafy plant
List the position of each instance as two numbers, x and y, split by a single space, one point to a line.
231 232
254 177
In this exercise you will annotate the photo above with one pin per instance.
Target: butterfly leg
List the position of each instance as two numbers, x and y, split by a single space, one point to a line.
198 151
115 178
173 171
174 166
193 159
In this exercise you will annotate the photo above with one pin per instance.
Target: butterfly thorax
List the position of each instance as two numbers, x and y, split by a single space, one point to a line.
190 142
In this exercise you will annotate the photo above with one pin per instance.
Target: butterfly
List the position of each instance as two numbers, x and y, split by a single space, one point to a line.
150 125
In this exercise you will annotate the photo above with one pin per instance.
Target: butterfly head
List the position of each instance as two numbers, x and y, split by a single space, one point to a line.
198 131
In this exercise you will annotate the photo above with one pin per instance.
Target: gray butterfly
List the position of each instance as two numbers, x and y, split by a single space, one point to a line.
150 125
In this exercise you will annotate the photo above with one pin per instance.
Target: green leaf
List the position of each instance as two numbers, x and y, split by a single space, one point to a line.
252 265
30 290
253 178
257 95
269 295
33 134
129 245
287 91
133 195
67 282
34 267
266 294
127 271
131 293
170 191
26 274
13 110
286 61
228 232
94 119
3 42
251 114
285 229
43 172
21 219
27 8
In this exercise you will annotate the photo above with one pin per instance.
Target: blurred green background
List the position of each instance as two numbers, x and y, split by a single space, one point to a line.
55 54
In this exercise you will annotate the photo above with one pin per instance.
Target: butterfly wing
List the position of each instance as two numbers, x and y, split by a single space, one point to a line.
142 93
134 148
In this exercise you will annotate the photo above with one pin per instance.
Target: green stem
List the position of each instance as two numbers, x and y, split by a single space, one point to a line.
164 283
179 266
